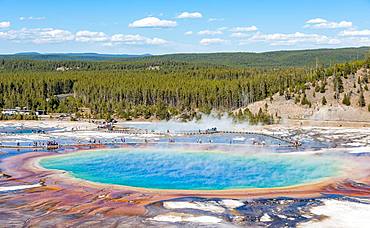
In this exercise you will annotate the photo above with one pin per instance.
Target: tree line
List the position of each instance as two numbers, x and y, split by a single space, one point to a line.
132 90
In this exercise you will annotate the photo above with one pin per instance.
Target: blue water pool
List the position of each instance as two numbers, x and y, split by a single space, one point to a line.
193 170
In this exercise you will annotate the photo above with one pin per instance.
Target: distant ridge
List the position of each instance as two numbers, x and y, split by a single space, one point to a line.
295 58
27 53
69 56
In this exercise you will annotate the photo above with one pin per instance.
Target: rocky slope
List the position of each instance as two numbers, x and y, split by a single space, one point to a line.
333 110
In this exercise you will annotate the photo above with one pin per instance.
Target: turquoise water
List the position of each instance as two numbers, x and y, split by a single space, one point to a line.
192 170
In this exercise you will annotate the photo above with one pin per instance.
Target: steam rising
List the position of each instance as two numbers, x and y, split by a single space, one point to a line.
223 123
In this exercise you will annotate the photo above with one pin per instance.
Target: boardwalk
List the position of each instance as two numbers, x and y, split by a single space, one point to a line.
168 134
209 132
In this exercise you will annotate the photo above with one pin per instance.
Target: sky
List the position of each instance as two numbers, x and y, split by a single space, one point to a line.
181 26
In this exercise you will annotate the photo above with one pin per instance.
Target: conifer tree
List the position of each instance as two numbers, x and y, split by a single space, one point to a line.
361 100
323 101
346 100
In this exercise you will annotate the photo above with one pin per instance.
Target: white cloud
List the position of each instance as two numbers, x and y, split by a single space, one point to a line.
333 41
365 32
152 22
294 38
126 38
32 18
208 41
316 21
188 33
359 41
4 35
189 15
244 29
136 39
50 35
320 23
108 44
155 41
240 35
38 35
222 28
215 19
4 24
353 37
210 32
88 36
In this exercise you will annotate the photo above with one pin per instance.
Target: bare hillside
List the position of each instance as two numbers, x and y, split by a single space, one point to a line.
334 109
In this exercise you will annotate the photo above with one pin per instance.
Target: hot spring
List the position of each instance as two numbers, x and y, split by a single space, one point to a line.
158 168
